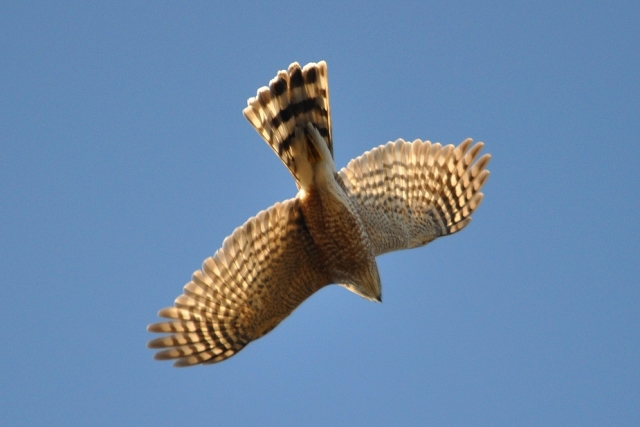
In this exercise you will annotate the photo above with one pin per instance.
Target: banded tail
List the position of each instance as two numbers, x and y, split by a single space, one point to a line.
282 112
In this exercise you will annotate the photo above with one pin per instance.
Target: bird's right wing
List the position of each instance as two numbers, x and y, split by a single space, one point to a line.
263 271
409 193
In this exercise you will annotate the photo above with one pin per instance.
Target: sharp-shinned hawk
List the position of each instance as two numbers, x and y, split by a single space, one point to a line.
396 196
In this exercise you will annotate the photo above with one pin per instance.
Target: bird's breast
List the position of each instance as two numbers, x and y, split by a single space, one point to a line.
338 232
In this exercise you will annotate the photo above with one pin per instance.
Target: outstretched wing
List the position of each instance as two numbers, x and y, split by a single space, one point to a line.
409 193
263 271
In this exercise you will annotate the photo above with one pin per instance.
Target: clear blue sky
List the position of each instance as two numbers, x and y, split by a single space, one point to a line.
125 161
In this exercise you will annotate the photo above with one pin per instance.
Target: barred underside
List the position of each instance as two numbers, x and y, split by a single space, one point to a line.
412 193
260 275
280 112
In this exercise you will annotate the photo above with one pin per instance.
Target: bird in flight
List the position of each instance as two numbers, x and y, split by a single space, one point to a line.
396 196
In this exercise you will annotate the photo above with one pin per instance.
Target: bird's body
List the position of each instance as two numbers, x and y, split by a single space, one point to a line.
397 196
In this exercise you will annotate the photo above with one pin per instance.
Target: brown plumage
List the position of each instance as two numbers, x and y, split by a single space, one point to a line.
397 196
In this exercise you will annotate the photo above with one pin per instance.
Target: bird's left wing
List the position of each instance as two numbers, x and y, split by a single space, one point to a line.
409 193
263 271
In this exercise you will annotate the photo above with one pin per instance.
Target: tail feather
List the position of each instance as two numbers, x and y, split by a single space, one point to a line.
280 113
